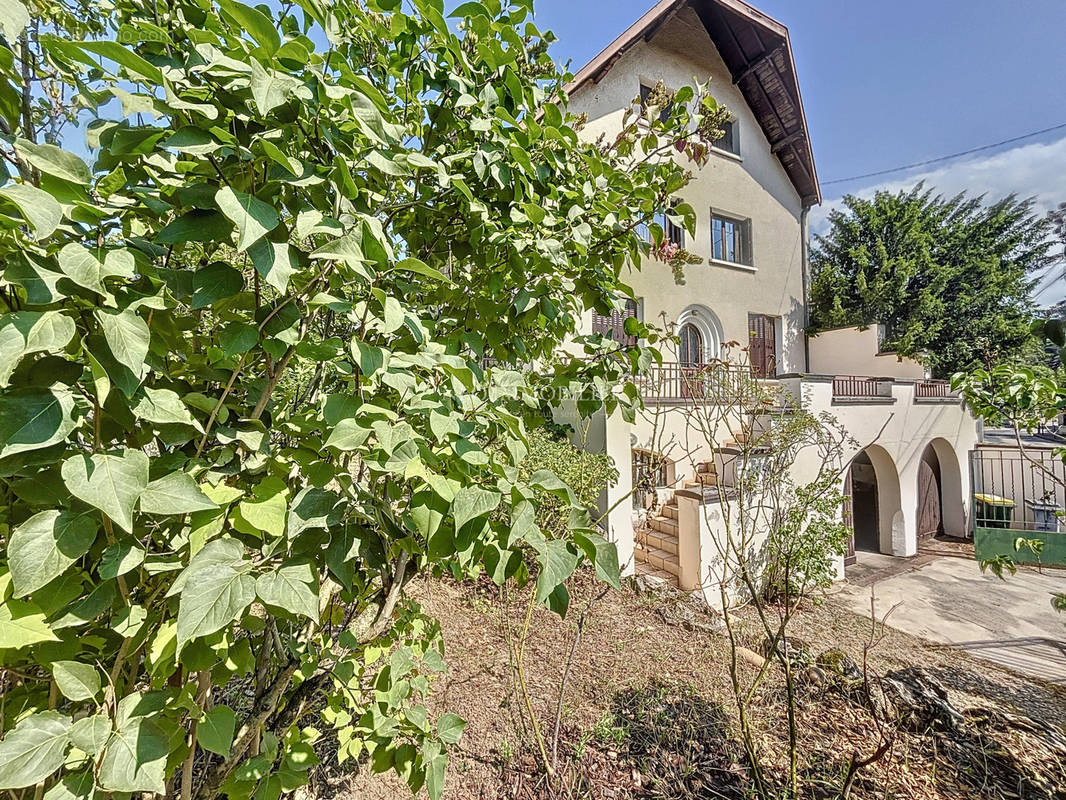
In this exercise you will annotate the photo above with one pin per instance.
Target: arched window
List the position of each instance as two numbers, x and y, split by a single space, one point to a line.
691 350
700 333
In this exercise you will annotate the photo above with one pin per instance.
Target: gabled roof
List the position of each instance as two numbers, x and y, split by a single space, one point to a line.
757 51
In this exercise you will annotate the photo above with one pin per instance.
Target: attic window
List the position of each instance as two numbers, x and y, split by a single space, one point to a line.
645 95
729 141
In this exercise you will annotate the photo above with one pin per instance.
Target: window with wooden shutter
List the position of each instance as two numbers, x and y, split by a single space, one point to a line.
614 324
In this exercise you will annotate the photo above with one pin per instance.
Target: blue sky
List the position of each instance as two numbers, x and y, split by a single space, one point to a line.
891 83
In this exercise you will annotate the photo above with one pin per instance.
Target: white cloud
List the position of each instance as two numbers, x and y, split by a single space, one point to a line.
1032 170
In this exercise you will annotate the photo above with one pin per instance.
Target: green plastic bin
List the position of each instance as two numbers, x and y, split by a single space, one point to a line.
994 511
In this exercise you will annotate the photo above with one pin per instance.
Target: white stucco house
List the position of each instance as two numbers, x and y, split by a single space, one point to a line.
908 477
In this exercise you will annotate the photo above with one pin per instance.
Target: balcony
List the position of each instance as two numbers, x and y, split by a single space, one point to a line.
934 391
862 389
715 382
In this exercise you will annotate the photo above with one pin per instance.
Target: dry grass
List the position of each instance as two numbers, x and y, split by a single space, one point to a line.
648 711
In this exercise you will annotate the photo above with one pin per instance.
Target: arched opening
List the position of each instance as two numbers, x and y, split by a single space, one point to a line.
930 520
864 519
875 513
700 333
691 349
944 463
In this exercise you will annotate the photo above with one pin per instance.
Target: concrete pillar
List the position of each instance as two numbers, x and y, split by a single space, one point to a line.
904 519
618 437
689 554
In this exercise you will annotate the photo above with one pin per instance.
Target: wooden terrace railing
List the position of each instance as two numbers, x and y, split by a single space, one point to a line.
860 387
933 389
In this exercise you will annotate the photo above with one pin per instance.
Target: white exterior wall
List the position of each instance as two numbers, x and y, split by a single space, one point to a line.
753 186
895 435
855 351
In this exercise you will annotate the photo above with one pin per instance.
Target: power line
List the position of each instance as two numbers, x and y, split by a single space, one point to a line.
946 158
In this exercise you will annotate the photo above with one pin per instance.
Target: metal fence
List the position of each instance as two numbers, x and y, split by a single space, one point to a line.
672 382
1016 490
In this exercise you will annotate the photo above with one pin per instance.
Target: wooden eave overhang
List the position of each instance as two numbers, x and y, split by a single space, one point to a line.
758 53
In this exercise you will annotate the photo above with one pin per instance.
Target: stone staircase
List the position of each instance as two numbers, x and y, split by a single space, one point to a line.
656 550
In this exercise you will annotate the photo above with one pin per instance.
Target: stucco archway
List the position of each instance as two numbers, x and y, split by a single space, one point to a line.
709 327
952 497
876 512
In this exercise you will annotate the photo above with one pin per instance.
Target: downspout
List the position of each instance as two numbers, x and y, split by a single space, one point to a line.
805 268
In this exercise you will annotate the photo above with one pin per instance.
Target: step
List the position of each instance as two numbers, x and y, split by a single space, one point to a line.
657 575
707 468
658 540
669 511
664 525
659 559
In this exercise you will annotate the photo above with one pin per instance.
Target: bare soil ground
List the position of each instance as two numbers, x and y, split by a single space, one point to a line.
648 711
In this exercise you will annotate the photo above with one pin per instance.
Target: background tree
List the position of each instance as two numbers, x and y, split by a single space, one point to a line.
244 397
950 279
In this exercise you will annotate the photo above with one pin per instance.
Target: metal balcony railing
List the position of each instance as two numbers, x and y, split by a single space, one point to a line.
672 382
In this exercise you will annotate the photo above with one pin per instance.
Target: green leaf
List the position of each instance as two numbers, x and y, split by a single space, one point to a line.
42 547
266 512
109 482
271 88
370 358
26 332
164 407
197 225
38 207
603 554
436 765
40 283
557 564
348 435
348 250
22 624
422 268
54 161
215 731
120 54
90 734
135 758
88 268
127 337
33 749
217 281
472 502
253 218
275 261
13 19
190 139
32 418
293 587
217 596
176 493
253 22
450 728
75 680
119 558
73 786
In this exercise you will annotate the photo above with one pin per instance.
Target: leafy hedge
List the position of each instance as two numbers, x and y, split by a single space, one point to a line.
241 394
